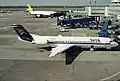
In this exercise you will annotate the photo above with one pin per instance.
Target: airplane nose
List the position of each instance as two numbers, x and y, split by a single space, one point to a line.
114 44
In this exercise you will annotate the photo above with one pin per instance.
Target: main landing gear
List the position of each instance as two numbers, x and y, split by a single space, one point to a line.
91 48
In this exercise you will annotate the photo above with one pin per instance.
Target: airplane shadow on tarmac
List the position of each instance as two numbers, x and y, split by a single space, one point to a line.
73 52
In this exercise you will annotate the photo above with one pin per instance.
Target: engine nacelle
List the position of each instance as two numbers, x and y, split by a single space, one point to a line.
38 15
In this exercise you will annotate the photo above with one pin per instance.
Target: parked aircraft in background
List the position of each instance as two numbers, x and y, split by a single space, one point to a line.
40 13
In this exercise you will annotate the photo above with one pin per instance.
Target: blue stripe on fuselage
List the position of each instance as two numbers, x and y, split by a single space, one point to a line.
78 43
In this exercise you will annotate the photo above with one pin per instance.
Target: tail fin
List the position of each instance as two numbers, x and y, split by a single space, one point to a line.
22 32
104 30
29 9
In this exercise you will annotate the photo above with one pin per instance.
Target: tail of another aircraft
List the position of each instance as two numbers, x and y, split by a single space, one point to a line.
22 32
29 9
104 30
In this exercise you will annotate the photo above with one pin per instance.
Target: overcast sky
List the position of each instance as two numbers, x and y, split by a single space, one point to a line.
51 2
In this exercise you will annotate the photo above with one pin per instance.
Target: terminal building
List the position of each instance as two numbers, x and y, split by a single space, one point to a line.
112 9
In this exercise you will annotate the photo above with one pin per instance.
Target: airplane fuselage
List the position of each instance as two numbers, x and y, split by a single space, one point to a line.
97 42
44 13
63 42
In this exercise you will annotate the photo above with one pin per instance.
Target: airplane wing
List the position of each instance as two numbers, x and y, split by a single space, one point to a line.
60 48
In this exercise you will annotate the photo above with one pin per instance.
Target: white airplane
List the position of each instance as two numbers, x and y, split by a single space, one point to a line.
63 43
40 13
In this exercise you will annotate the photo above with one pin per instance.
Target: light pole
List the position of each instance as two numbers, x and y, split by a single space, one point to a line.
95 2
89 2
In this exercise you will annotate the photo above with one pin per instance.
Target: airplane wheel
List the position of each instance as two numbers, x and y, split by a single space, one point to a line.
91 48
41 15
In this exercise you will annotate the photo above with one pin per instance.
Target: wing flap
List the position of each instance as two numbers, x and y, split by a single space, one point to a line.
60 48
